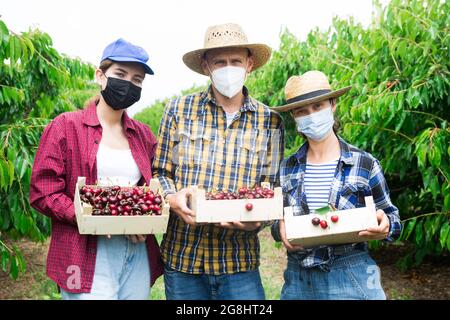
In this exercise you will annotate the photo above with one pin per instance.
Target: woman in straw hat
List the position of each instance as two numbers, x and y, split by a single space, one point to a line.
223 139
326 170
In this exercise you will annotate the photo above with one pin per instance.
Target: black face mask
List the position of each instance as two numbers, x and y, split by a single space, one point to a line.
120 94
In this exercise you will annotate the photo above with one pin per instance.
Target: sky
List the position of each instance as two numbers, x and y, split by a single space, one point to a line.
169 28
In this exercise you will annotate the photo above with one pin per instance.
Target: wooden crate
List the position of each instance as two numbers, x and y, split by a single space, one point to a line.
113 225
300 230
215 211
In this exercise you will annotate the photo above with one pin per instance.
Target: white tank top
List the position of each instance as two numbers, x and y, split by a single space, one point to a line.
116 167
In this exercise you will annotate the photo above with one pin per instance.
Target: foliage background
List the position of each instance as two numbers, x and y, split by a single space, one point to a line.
398 110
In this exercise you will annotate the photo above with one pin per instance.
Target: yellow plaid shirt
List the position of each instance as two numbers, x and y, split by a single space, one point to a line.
196 147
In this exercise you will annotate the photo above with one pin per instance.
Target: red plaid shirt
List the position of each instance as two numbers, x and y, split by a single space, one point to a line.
67 150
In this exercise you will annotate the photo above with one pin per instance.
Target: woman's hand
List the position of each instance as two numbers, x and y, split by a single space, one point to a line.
380 232
246 226
289 247
179 205
138 238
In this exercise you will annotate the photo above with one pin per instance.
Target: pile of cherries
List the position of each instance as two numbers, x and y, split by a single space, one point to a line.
323 223
243 193
118 201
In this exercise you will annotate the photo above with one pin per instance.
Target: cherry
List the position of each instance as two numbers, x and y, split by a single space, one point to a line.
249 206
157 200
114 212
112 199
323 224
315 221
334 218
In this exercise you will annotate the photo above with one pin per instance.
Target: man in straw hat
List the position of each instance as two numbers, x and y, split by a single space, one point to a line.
219 139
326 170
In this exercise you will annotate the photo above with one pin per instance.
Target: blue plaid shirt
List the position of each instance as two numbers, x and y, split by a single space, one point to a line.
358 174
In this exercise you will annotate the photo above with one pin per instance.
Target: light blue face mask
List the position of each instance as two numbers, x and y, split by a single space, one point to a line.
317 125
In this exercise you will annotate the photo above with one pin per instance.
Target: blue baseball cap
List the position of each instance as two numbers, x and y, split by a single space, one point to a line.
124 51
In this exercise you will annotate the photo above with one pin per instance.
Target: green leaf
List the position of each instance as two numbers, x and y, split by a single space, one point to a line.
410 227
444 234
11 173
323 210
448 242
5 259
419 233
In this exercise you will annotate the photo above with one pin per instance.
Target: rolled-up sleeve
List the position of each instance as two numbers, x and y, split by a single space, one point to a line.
163 163
380 193
48 177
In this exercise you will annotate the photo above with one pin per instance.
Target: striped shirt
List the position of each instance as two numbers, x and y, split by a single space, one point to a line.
318 178
197 147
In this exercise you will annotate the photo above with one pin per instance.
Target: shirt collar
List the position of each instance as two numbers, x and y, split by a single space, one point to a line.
91 119
249 103
346 154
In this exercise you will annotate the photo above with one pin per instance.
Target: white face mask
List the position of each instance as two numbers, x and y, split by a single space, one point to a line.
316 126
229 80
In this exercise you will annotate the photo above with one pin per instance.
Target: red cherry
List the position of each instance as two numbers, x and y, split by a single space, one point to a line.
323 224
315 221
157 200
112 199
243 190
114 212
334 218
249 206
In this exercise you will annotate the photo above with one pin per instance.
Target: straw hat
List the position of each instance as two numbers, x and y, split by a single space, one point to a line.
310 87
229 35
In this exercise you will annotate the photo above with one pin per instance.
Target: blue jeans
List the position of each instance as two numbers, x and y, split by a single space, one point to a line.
352 276
122 272
236 286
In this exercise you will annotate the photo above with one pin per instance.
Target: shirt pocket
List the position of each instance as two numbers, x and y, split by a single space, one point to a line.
252 148
196 144
352 196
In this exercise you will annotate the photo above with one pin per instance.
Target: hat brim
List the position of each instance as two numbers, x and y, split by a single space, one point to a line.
302 103
129 59
260 54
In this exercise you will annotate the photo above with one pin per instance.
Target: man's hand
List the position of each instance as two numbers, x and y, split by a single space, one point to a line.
179 205
289 247
246 226
138 238
380 232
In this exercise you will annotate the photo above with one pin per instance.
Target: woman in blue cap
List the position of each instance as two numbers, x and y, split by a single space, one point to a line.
104 145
